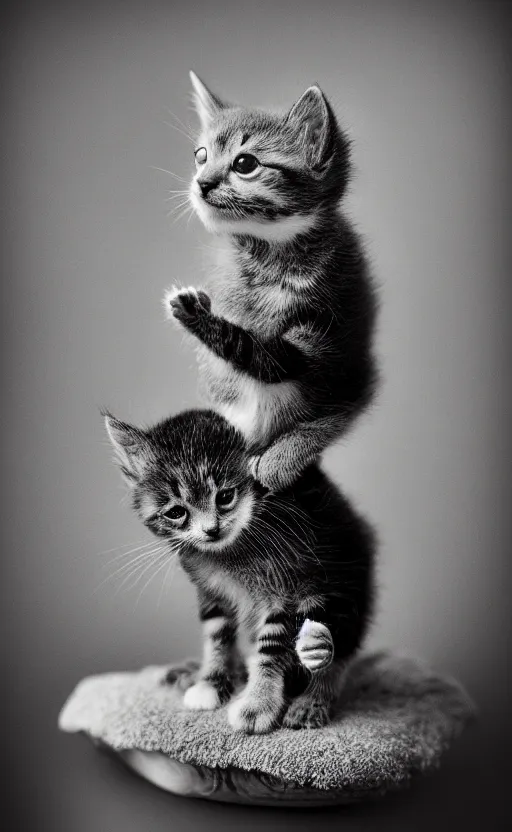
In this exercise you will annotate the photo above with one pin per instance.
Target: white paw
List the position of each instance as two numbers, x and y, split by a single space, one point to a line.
314 646
201 697
252 717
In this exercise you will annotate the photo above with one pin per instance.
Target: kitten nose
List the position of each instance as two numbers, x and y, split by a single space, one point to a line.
207 185
212 532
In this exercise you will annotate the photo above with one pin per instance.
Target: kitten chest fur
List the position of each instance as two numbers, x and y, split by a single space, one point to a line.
262 304
251 604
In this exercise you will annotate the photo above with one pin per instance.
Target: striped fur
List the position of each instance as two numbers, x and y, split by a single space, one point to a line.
286 588
213 685
285 329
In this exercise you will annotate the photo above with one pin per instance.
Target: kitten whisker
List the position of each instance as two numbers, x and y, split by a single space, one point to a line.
177 207
187 210
122 546
188 130
140 573
134 562
148 553
302 541
169 172
179 130
176 194
161 565
148 545
170 572
279 562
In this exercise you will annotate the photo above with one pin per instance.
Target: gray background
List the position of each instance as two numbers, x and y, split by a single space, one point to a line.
88 248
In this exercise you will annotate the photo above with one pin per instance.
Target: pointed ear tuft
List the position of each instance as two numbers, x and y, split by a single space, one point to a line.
312 117
207 104
130 444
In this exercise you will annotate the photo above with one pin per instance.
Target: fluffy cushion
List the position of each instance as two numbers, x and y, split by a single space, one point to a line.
394 719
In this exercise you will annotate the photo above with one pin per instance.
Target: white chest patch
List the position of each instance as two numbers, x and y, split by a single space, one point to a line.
251 607
230 590
261 410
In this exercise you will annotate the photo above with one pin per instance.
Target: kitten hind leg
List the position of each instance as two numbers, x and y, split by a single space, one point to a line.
183 674
282 462
314 707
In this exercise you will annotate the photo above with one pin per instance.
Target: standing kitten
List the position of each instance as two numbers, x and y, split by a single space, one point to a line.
286 350
263 565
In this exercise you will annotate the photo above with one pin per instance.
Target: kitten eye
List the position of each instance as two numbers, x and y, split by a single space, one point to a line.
201 155
246 165
225 498
176 513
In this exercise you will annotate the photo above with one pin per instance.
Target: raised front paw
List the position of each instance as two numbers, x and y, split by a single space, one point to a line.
314 646
305 712
187 305
247 714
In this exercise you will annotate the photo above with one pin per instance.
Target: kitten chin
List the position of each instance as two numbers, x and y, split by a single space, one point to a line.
279 229
216 547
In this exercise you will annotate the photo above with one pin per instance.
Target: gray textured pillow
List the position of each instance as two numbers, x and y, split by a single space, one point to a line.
394 719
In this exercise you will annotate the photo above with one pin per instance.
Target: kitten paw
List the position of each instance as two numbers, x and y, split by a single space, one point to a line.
272 470
314 646
183 676
306 713
253 471
202 697
244 714
187 305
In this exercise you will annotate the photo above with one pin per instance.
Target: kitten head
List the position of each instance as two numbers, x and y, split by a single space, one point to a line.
190 478
265 175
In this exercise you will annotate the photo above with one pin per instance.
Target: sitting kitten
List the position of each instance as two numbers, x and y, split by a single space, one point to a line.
286 351
263 565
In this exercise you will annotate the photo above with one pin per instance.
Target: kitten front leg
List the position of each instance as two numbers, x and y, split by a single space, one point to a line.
282 462
272 361
213 683
258 709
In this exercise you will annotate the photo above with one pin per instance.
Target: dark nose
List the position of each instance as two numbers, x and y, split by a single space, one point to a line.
207 185
212 533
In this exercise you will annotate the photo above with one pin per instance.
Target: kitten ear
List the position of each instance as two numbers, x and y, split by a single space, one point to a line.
206 103
313 118
131 446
